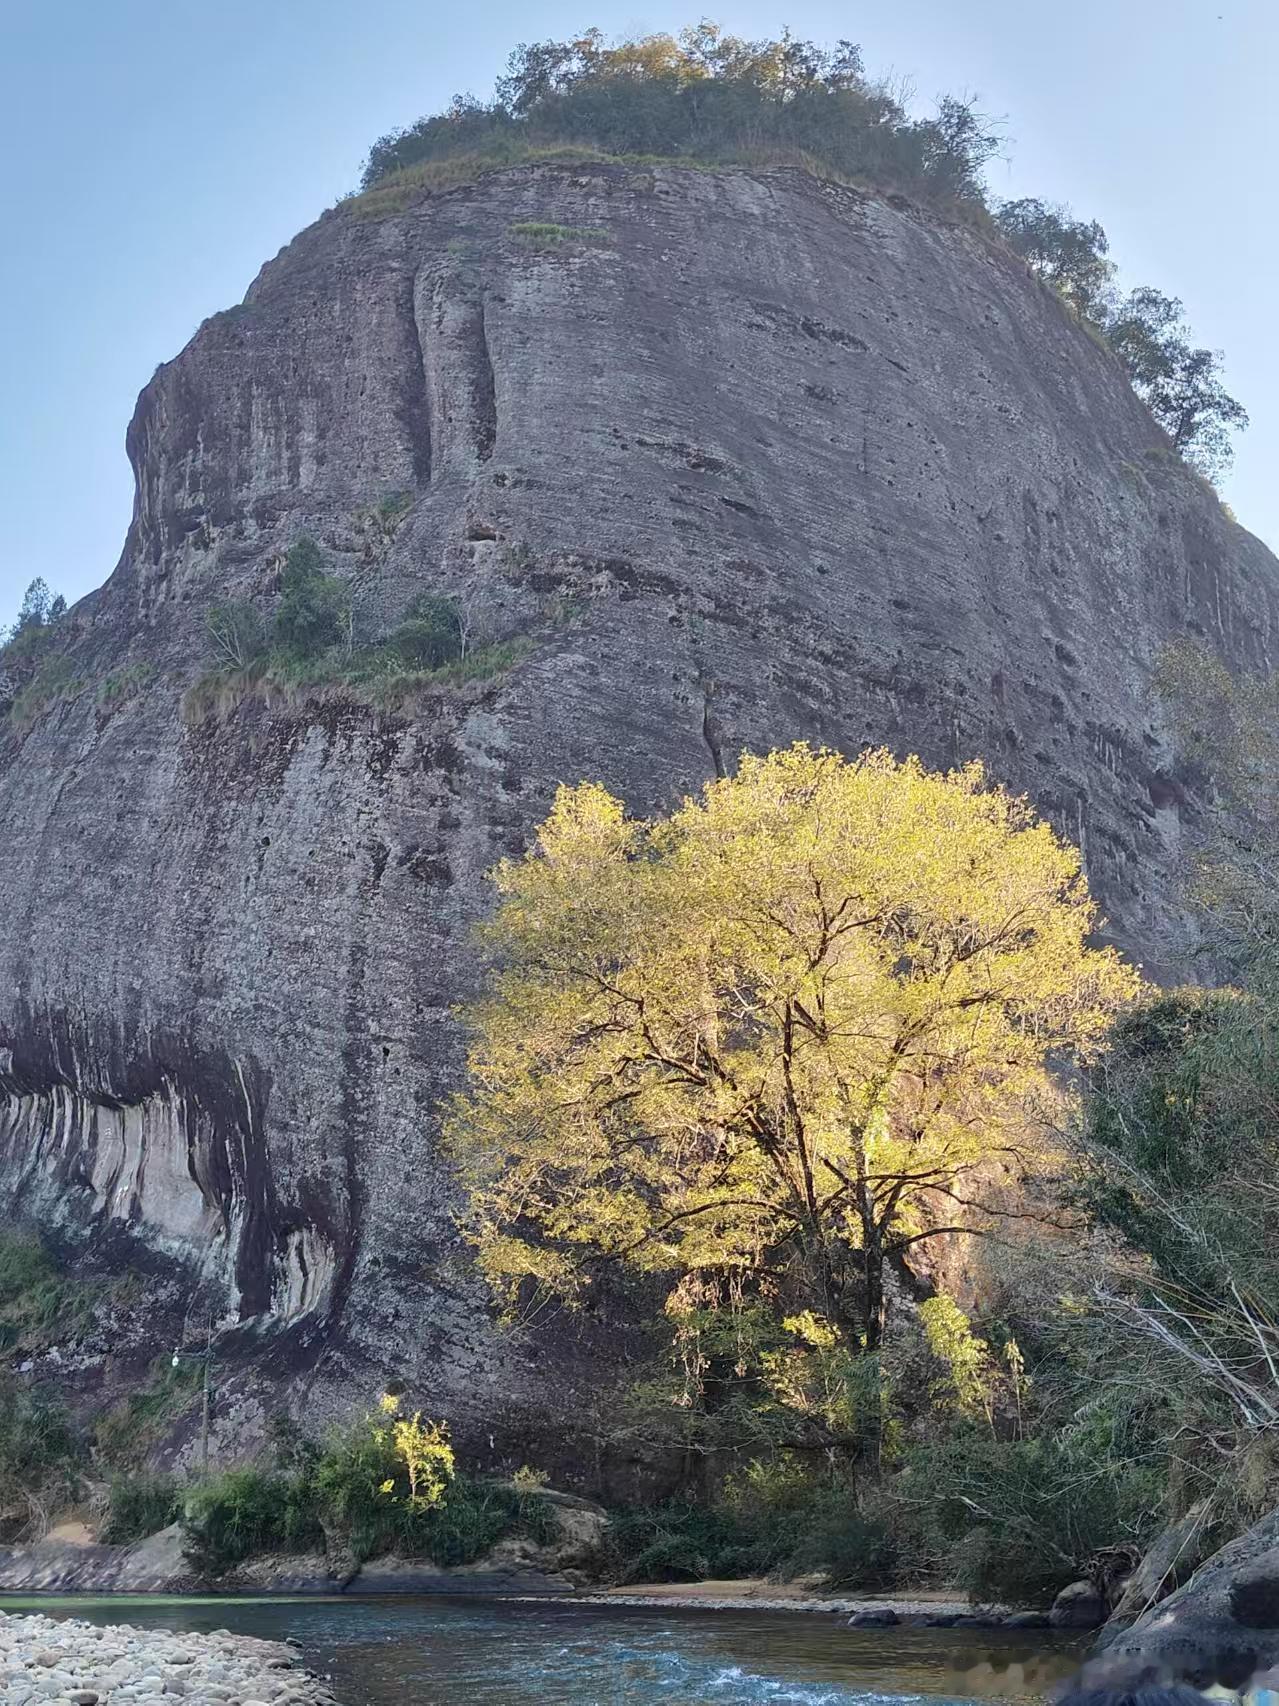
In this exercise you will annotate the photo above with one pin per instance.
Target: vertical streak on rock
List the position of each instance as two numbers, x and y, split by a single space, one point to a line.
711 730
485 390
457 373
417 400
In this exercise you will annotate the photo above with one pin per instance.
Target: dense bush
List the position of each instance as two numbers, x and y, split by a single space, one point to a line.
314 608
1015 1520
706 96
242 1512
384 1484
428 635
683 1541
311 642
40 1458
139 1505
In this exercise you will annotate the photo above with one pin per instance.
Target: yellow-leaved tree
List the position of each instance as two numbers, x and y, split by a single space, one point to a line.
770 1036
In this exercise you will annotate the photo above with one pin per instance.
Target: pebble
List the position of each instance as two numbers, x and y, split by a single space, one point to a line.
46 1661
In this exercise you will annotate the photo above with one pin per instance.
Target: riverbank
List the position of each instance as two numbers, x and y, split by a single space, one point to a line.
926 1607
47 1661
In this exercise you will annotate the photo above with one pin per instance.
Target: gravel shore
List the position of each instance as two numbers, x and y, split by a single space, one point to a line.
63 1662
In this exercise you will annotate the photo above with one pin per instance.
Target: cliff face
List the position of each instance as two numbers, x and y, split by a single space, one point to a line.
757 459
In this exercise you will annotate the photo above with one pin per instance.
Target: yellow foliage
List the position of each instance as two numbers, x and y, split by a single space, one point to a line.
818 1335
775 1031
967 1358
424 1449
526 1479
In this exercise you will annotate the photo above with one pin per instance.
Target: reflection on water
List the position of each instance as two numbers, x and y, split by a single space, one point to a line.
446 1652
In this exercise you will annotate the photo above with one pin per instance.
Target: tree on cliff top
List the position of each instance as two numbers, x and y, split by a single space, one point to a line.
40 608
1070 254
707 95
774 1036
1179 383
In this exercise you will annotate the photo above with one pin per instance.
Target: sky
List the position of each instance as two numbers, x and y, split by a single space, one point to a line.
158 152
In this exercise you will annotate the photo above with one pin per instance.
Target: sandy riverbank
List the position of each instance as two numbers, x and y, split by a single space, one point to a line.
760 1594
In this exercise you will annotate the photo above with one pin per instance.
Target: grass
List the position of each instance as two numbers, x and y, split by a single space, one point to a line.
537 234
374 676
38 1305
53 682
139 1505
123 684
400 190
128 1431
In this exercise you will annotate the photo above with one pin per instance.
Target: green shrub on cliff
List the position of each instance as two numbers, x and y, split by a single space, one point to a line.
38 1303
308 647
126 1433
38 613
538 234
315 606
242 1513
53 681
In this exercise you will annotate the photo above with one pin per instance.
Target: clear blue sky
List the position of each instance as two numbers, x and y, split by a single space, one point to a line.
157 152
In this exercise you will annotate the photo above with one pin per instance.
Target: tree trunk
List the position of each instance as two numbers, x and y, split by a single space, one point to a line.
873 1255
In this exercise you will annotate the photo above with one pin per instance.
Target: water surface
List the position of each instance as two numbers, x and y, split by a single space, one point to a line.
457 1652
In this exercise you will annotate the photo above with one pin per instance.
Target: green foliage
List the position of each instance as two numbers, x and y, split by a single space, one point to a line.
131 1428
704 97
1067 253
772 1518
314 606
39 611
122 684
1179 383
428 636
40 1455
310 647
37 1303
244 1512
537 235
682 1541
28 649
139 1505
236 633
965 1357
848 1548
1181 1152
385 1483
53 681
1015 1520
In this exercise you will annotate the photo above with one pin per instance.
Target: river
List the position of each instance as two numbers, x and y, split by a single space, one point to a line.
456 1652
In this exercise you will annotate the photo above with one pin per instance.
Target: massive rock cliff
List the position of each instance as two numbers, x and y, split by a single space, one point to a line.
752 458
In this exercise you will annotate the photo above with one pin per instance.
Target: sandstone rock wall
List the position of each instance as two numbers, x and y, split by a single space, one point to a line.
768 459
